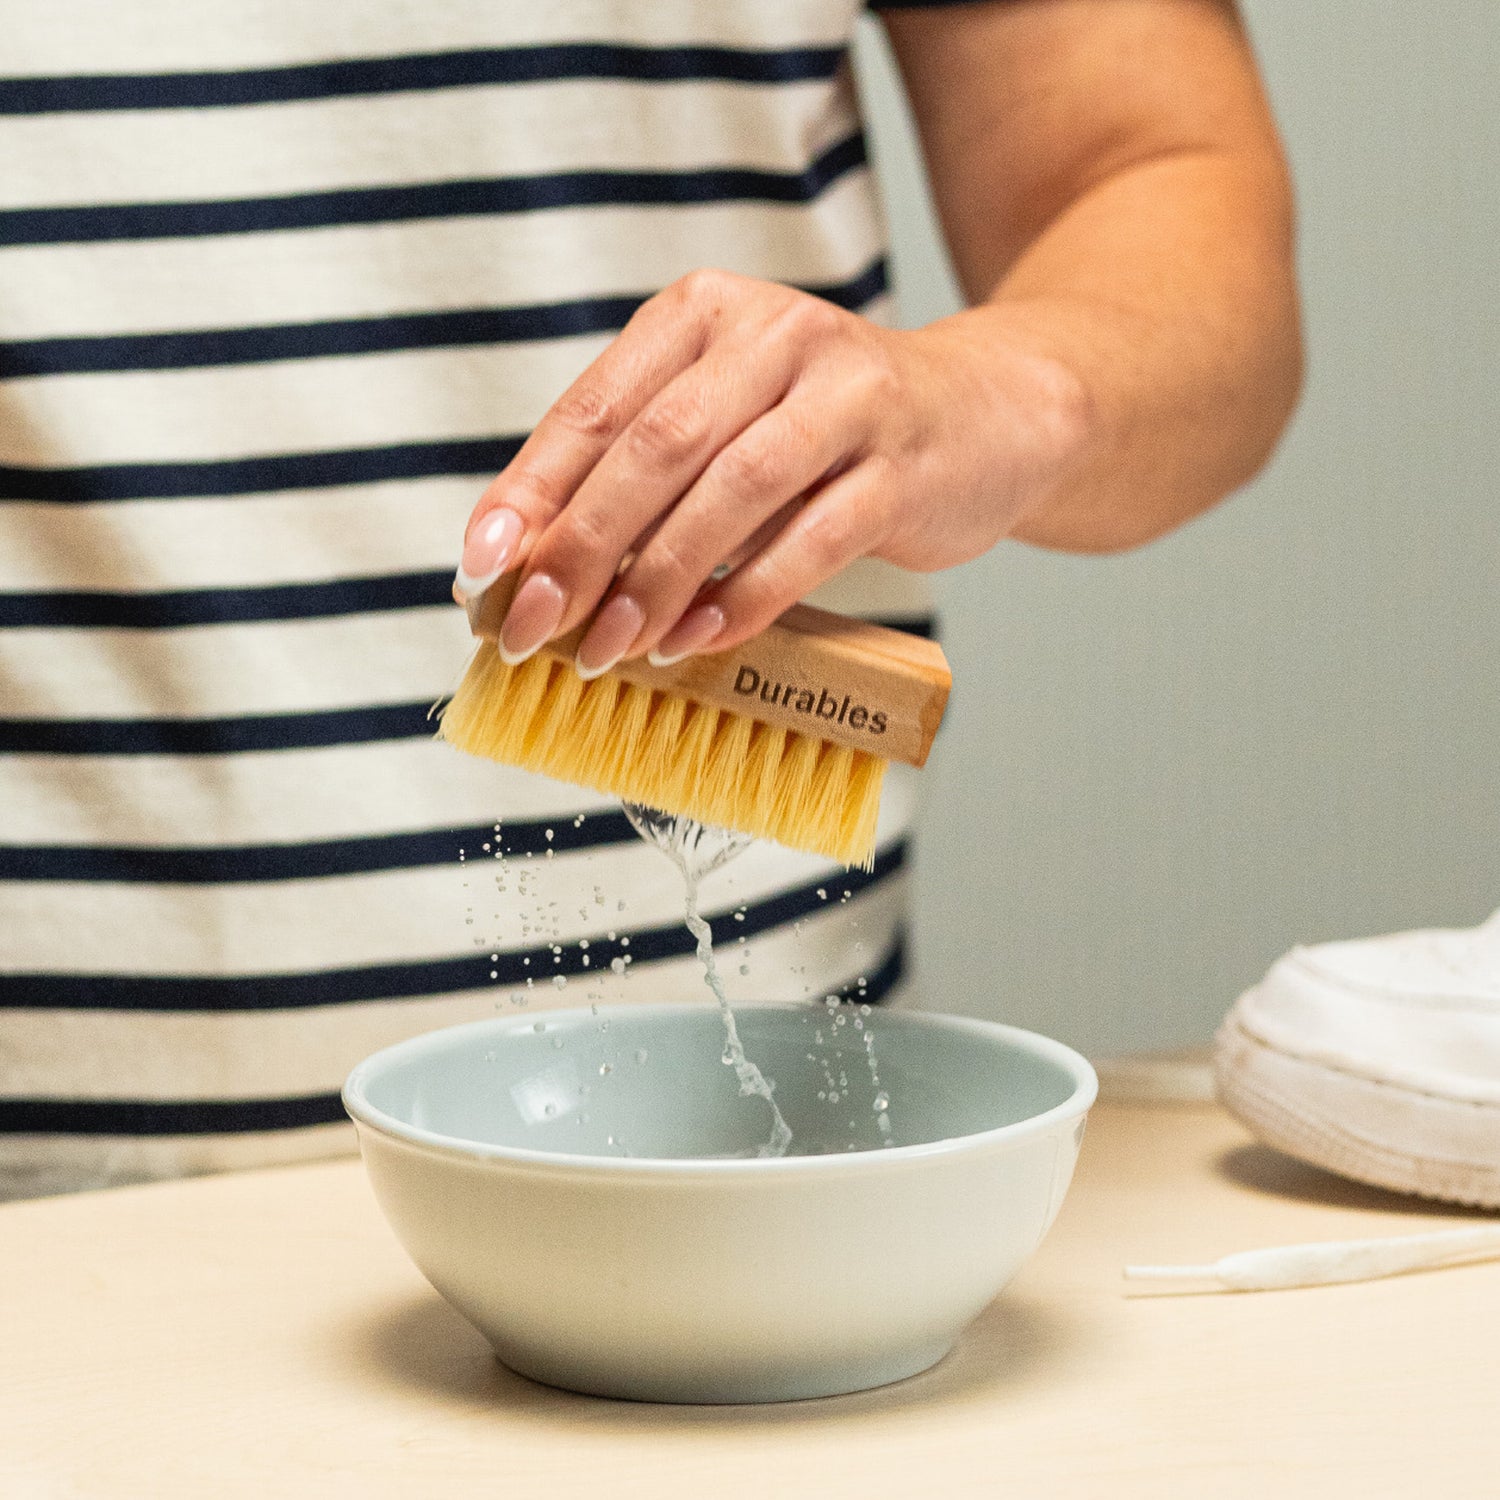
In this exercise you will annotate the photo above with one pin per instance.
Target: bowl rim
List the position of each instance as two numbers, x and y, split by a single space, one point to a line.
365 1114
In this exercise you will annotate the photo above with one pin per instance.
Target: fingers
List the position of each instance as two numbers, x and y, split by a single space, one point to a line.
847 519
645 474
754 478
665 335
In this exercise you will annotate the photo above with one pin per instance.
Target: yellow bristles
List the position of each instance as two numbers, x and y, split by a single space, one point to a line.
646 746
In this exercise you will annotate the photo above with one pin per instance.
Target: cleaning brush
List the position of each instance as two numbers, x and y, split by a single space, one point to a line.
784 737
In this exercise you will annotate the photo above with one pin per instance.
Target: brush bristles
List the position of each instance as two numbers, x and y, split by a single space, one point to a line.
650 747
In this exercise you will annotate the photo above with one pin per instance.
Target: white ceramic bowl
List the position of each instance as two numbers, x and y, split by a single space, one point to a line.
690 1269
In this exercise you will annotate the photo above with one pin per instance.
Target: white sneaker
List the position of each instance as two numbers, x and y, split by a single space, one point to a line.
1377 1059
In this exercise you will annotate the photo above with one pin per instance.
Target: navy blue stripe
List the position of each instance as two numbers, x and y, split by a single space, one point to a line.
418 71
350 336
228 864
358 336
97 223
262 475
120 1117
253 992
228 606
230 736
151 1117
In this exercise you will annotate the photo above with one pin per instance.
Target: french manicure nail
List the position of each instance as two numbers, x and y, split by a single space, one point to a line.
695 630
533 618
612 634
489 548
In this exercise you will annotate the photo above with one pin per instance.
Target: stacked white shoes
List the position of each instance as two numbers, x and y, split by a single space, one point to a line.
1377 1059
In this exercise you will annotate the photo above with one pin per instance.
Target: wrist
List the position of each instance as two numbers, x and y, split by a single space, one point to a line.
1032 417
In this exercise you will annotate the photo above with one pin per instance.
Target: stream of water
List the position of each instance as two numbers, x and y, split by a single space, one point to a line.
697 849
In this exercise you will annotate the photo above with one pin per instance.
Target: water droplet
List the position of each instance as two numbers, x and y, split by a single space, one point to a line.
558 1042
822 893
539 1026
547 834
618 965
549 1109
744 969
583 942
605 1069
560 981
882 1102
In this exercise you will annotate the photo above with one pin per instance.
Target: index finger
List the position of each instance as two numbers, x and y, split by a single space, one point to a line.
664 336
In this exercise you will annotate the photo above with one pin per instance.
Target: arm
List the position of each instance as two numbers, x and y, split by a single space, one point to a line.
1114 195
1118 208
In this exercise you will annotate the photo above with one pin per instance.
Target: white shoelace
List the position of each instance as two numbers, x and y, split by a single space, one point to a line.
1328 1262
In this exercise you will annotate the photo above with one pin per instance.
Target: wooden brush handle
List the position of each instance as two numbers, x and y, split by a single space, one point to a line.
814 672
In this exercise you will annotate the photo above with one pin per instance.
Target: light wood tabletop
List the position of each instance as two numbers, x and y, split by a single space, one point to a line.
261 1334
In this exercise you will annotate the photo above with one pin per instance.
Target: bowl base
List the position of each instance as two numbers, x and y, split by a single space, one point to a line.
727 1388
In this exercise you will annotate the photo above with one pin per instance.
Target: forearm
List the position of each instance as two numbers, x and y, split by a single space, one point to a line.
1114 192
1167 293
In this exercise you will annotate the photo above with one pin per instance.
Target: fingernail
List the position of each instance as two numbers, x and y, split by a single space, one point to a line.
612 634
533 618
490 546
695 630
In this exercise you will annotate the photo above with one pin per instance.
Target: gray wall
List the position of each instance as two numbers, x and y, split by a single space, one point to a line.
1283 723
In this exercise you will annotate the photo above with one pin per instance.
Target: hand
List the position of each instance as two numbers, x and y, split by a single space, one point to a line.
739 423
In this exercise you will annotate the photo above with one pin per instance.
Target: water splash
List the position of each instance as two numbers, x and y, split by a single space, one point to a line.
697 849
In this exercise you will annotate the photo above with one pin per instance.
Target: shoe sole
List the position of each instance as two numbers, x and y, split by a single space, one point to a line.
1349 1123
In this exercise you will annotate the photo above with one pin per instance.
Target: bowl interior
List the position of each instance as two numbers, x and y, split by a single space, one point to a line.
651 1081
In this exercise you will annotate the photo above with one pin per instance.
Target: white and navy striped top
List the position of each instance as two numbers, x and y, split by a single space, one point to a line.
281 286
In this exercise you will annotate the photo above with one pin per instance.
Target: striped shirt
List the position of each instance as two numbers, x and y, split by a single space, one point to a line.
281 286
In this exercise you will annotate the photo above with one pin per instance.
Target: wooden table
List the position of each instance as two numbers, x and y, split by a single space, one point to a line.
262 1335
